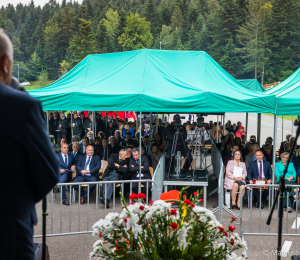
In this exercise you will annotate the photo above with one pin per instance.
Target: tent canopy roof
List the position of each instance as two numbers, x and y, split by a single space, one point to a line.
287 95
152 80
252 84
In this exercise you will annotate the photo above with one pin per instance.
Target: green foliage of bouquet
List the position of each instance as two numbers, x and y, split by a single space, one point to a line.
156 232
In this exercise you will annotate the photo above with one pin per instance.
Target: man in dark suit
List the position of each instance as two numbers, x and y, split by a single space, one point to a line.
77 125
53 125
110 130
143 150
259 169
63 127
128 136
87 170
117 165
75 152
88 124
104 151
134 162
118 137
84 144
66 167
29 167
113 146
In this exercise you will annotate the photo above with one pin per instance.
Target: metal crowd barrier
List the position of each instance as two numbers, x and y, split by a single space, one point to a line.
158 178
247 228
57 221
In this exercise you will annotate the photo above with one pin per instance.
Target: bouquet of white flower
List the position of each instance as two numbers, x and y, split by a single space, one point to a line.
156 232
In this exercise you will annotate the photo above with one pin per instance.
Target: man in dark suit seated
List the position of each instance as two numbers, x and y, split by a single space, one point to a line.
66 167
113 146
128 137
75 138
76 153
259 169
143 150
117 165
87 170
134 169
118 137
104 151
288 136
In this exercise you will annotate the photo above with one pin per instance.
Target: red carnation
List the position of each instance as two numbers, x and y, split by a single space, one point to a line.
118 247
141 196
174 226
221 229
226 234
133 196
233 218
142 207
173 212
187 201
123 207
196 193
130 204
125 220
100 234
148 223
192 205
231 228
184 196
151 201
232 241
201 199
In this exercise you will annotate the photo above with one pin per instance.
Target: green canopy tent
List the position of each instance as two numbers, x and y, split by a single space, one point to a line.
152 80
287 95
252 84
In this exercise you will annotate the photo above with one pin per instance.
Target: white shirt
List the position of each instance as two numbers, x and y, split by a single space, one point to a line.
88 167
262 165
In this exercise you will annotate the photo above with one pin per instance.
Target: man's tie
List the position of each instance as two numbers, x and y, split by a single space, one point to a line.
260 170
105 154
84 150
66 161
87 163
137 161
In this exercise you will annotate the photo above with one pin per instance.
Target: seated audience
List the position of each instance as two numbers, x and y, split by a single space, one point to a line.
247 150
87 170
238 141
259 169
146 144
110 130
118 137
90 134
253 137
104 151
157 140
129 151
88 124
146 131
214 133
268 153
97 143
117 165
162 147
134 163
128 137
77 126
75 152
155 156
289 178
101 135
233 129
243 138
235 184
85 143
229 157
221 146
231 138
288 136
144 153
66 166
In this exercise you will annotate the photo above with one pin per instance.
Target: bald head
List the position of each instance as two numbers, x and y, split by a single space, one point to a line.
6 58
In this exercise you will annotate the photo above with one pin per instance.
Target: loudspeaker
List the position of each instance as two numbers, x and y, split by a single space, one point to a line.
38 247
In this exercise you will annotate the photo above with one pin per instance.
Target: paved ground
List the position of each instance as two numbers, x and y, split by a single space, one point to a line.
79 246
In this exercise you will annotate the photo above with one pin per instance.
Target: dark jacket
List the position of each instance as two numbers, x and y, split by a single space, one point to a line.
87 124
110 131
134 167
114 158
95 165
29 170
253 172
53 125
64 125
71 161
114 149
77 129
119 141
76 157
100 152
296 163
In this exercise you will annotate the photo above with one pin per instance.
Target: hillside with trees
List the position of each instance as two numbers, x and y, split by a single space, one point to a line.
243 36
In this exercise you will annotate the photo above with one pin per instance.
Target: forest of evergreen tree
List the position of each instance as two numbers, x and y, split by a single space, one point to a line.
243 36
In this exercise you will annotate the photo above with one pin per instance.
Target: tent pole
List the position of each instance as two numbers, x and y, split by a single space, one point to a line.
71 124
106 118
93 123
258 127
247 115
137 123
151 127
217 128
224 124
47 121
292 125
140 151
282 130
274 153
156 123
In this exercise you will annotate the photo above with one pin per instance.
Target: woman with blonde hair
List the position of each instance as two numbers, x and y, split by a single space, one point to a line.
289 178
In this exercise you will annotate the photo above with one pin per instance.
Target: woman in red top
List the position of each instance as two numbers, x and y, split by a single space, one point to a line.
240 132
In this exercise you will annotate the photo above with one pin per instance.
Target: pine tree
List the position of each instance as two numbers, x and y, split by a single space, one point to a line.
185 22
34 65
17 52
192 43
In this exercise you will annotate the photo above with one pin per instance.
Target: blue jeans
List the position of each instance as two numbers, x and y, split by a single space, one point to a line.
66 177
83 178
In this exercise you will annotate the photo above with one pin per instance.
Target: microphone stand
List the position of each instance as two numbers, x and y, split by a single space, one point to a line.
281 189
44 214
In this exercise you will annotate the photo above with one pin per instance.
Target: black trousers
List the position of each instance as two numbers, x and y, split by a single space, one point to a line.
135 186
264 194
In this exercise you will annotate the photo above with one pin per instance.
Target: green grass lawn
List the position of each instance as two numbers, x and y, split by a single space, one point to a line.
34 85
284 117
